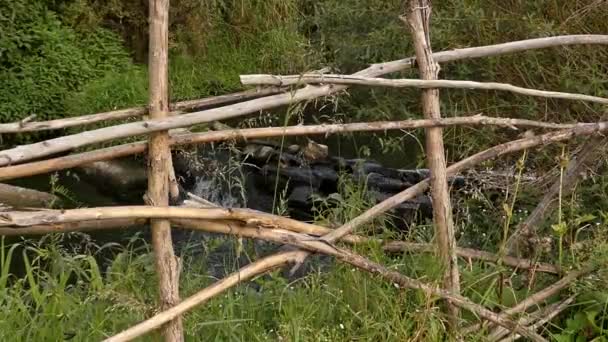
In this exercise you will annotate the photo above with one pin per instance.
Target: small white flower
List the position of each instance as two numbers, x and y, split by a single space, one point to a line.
341 326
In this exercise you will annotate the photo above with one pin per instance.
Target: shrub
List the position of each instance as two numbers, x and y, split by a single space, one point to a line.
43 61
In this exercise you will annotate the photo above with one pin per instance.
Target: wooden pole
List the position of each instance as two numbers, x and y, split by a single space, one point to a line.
351 80
69 161
36 150
159 163
418 17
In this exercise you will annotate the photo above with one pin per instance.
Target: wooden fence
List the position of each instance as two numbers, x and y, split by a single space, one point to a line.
27 160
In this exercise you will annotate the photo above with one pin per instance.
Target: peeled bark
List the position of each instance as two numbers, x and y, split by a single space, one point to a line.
159 159
418 17
16 196
28 152
66 162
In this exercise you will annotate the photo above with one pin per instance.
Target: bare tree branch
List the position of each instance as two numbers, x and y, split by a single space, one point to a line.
588 152
534 321
28 152
177 108
411 83
65 162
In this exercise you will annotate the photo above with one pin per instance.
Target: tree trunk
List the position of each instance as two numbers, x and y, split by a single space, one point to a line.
159 159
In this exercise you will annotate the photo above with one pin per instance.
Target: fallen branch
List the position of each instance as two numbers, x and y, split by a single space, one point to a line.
538 297
314 245
65 162
278 80
389 246
469 253
177 108
28 152
81 226
259 267
520 238
534 321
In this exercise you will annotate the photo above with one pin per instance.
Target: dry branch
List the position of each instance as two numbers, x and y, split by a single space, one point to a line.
177 108
588 152
412 83
534 321
28 152
469 253
65 162
261 266
310 229
80 226
538 297
160 166
318 246
418 21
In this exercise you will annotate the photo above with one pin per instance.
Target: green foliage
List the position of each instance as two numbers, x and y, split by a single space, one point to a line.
43 61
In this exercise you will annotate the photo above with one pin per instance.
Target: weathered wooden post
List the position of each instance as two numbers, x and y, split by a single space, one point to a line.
159 165
418 17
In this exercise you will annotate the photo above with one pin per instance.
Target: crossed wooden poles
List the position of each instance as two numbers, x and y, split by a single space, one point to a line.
26 160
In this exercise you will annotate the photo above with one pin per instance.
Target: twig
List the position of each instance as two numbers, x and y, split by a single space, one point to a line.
469 253
412 83
546 315
62 144
40 167
545 207
538 297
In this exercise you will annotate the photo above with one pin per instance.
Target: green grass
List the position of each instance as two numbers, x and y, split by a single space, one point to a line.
65 286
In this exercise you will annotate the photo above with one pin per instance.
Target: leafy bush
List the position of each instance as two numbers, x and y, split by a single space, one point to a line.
43 61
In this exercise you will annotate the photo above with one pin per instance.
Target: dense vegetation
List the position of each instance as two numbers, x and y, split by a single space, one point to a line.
62 58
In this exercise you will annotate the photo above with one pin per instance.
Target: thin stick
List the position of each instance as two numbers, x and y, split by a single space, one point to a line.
60 163
259 267
590 149
538 297
546 315
469 253
312 245
160 166
389 246
24 126
412 83
28 152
